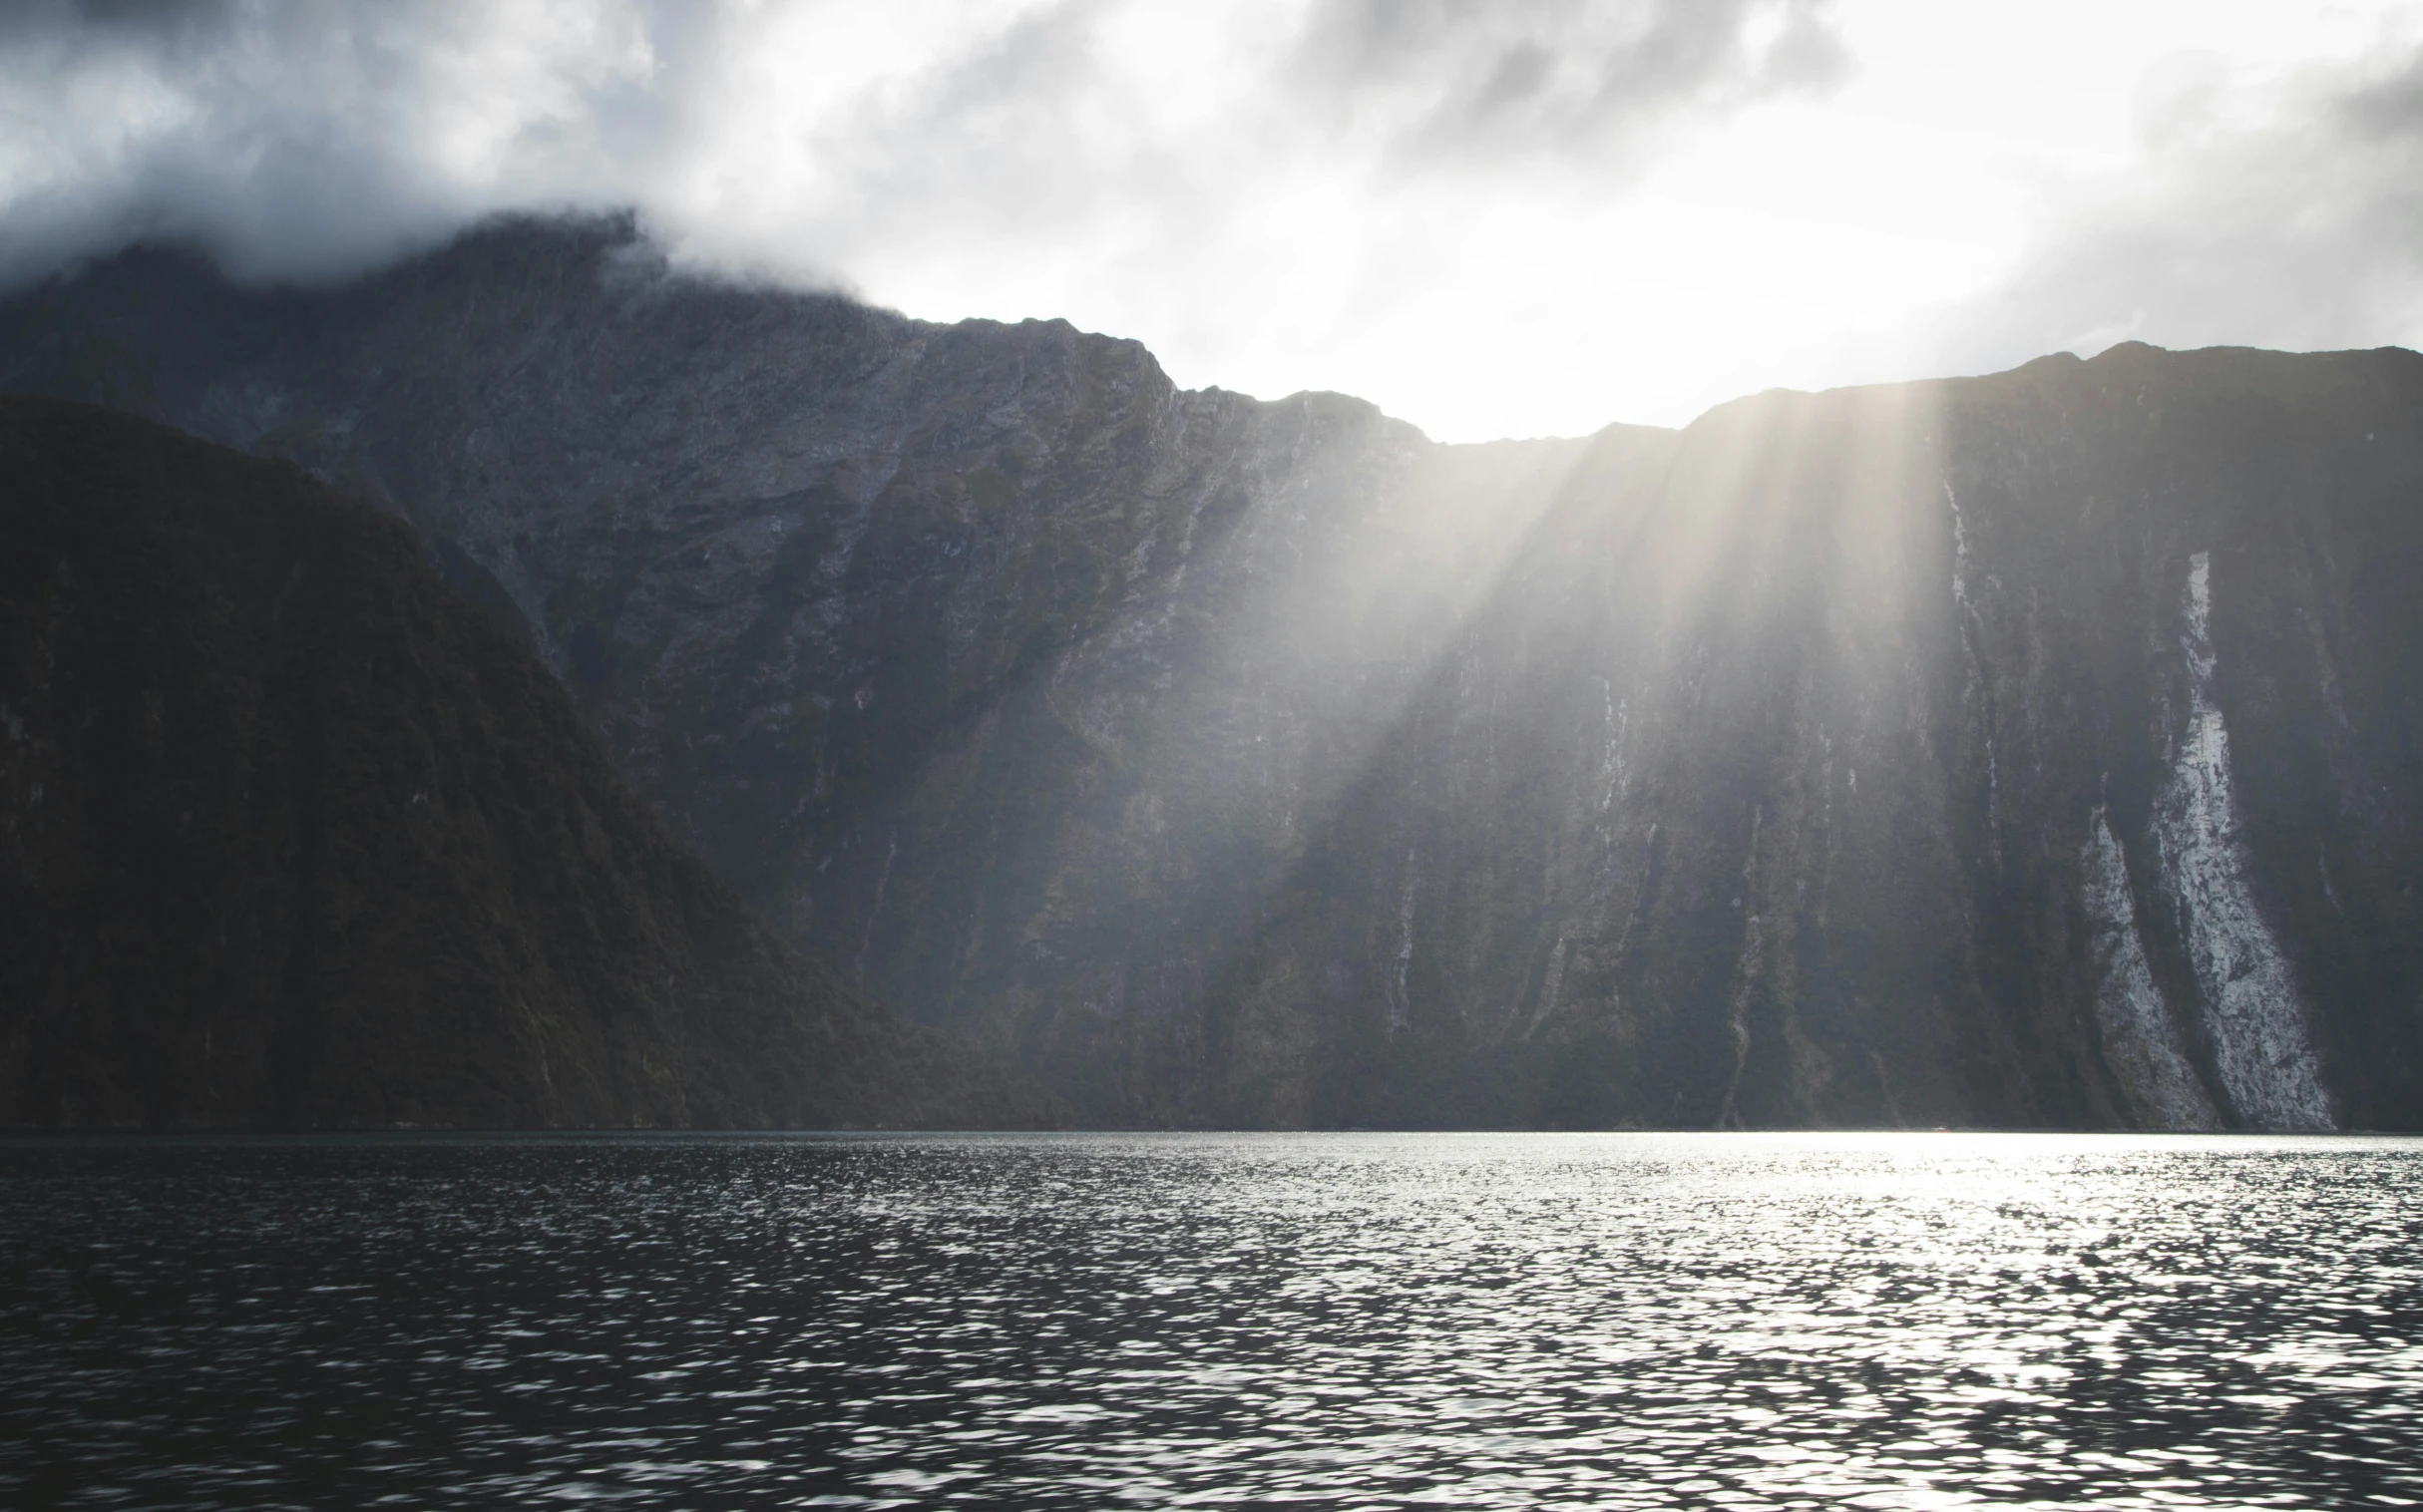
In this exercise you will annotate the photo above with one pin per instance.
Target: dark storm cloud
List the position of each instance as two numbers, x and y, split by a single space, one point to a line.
166 19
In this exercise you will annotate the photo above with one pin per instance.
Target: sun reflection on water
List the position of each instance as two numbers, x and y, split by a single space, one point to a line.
1479 1321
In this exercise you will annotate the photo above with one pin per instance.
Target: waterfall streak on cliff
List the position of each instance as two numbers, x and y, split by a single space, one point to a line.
1551 985
1400 1006
1960 549
1753 960
2260 1044
875 911
1611 762
1975 691
2140 1039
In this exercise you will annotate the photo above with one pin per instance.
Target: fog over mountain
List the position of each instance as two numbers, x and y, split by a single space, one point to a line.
1491 219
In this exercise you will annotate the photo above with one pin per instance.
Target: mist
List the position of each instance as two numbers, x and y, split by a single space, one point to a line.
1511 219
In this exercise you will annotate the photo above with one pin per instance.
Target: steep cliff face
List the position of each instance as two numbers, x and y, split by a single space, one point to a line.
2034 749
292 837
2031 749
992 668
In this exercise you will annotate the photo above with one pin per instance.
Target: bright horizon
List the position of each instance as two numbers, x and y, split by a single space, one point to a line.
1519 219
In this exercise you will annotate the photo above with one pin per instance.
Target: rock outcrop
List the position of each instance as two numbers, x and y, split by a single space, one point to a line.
2032 749
290 837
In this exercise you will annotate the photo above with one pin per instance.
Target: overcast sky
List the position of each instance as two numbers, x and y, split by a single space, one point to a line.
1498 218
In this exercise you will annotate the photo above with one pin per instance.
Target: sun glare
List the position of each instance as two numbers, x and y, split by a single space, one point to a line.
1809 240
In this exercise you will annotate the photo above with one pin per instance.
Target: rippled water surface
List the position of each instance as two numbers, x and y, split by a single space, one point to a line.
1100 1321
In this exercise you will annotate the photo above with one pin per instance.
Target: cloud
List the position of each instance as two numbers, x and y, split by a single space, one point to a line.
1455 83
2287 215
299 140
1488 215
822 141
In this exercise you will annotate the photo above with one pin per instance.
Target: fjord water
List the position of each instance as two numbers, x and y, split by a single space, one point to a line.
1117 1321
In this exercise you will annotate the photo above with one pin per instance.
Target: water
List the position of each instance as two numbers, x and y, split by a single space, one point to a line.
1095 1320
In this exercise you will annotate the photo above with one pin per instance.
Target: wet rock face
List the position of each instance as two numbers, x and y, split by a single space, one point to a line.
1882 756
2199 553
1985 751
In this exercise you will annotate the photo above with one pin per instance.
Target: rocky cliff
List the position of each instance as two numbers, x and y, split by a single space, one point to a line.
2032 749
2035 749
292 837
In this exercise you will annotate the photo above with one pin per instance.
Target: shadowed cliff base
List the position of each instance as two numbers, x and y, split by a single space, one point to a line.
290 837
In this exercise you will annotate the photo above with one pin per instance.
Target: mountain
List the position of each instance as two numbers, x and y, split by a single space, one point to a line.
293 837
2034 749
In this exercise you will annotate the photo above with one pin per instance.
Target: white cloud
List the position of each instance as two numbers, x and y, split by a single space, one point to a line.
302 140
1522 216
2285 213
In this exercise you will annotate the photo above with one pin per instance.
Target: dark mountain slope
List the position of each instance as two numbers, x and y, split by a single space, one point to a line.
987 663
292 837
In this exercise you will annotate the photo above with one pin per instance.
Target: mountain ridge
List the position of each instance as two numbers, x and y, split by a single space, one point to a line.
1242 762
